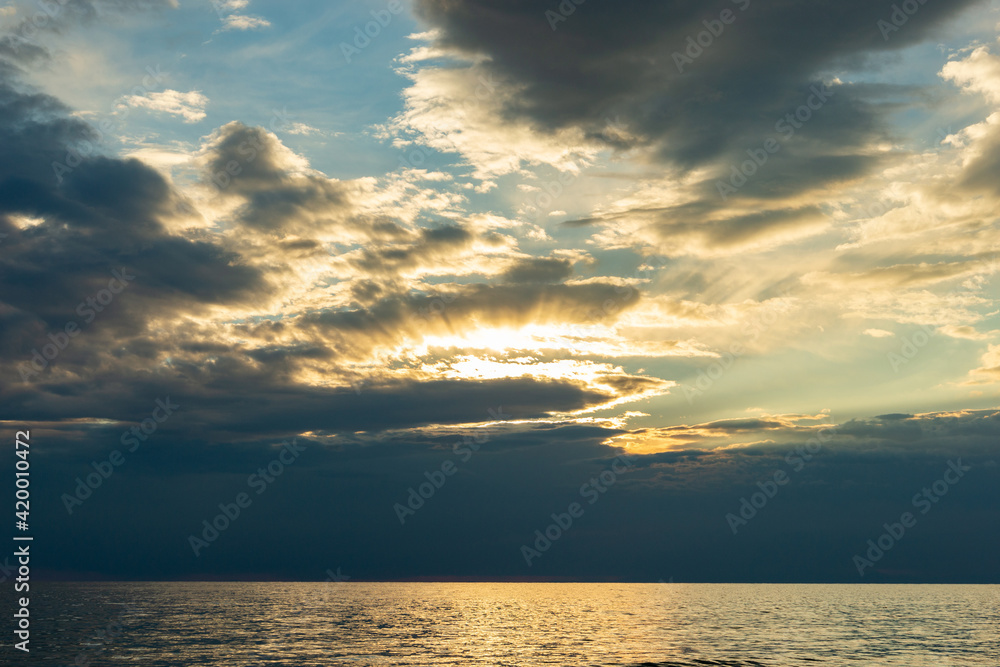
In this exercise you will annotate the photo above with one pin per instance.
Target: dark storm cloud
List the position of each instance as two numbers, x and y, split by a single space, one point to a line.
279 194
395 405
94 215
663 517
245 385
243 389
539 270
794 172
614 65
105 218
230 399
105 214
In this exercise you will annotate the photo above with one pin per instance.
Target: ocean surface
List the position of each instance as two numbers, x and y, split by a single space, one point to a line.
505 624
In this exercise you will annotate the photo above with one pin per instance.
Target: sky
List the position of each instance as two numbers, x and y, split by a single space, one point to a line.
523 290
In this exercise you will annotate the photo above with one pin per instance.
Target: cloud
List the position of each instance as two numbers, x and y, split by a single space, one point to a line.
302 129
239 306
693 227
990 369
240 22
878 333
254 182
901 275
190 106
231 20
979 72
608 64
604 88
981 164
665 514
381 318
100 215
539 270
456 110
966 332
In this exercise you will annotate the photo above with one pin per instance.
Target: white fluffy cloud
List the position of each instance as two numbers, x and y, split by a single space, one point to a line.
979 72
459 110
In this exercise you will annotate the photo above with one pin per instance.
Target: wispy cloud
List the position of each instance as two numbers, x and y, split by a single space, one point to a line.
240 22
190 106
228 11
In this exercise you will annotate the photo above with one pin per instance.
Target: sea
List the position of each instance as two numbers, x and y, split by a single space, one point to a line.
353 624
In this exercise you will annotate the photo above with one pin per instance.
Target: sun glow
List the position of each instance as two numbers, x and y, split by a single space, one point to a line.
596 340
